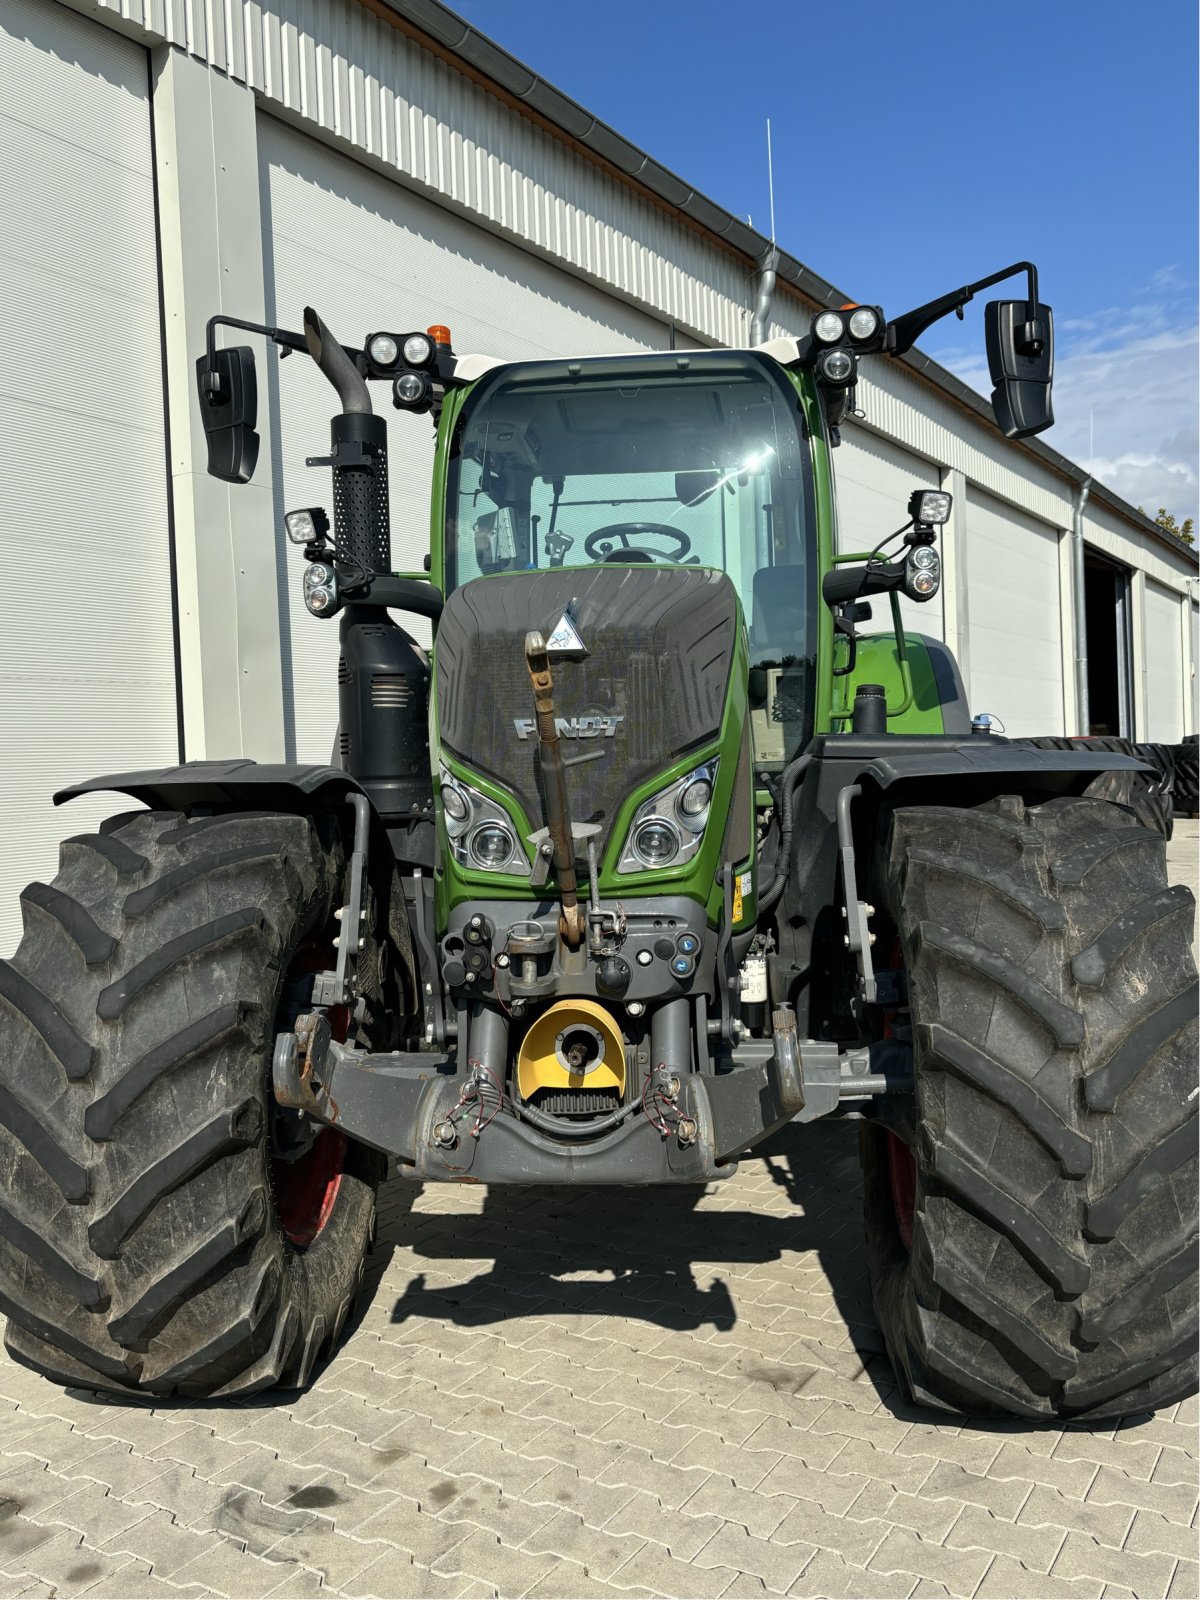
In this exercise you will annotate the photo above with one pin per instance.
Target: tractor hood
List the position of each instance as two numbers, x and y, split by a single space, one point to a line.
651 687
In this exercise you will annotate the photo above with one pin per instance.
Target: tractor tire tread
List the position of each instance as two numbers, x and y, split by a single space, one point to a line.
1052 1268
140 1249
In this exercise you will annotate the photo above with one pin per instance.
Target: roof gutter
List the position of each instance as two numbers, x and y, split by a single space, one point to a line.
437 28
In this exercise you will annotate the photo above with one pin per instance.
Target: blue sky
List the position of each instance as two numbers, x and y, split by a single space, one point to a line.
921 145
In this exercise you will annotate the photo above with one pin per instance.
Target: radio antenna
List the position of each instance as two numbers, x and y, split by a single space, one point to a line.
771 180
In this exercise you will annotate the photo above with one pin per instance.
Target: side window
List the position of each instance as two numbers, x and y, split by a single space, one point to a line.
477 532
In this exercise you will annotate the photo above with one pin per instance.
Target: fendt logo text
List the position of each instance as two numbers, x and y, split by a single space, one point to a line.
591 727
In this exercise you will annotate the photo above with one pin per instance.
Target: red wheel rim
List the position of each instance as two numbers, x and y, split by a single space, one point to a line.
306 1189
902 1169
902 1179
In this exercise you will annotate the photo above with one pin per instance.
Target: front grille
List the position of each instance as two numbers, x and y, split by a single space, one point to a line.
651 688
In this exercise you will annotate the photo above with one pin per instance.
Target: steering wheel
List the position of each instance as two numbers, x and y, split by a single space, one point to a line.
603 545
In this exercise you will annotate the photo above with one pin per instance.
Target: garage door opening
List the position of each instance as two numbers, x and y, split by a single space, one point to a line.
1109 646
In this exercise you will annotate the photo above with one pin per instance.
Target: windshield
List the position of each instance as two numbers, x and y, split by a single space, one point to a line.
695 460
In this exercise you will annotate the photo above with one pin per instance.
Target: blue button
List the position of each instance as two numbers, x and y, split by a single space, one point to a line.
688 944
681 967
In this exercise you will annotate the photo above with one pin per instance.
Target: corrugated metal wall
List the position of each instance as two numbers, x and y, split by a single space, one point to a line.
1164 664
349 76
354 81
369 254
87 663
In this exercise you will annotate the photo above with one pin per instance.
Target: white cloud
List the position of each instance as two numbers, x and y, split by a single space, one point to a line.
1125 395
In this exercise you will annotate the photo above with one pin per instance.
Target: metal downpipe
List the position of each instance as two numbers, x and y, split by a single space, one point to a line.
1078 596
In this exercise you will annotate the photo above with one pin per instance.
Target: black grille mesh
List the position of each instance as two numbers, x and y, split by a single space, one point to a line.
360 515
660 645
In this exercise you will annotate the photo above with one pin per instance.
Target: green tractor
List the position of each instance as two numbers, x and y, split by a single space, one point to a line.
653 853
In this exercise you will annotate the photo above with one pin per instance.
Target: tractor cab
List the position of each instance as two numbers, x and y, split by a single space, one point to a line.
648 464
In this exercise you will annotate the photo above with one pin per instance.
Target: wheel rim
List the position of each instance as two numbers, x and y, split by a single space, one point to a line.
902 1169
306 1188
902 1180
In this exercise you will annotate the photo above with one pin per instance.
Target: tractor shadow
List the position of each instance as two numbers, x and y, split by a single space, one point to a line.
659 1256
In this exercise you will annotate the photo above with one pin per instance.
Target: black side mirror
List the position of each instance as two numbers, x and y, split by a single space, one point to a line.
229 409
1020 351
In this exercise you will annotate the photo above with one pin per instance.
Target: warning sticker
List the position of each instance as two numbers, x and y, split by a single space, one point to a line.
742 886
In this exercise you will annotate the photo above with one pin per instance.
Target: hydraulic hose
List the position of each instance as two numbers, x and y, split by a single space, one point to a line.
792 773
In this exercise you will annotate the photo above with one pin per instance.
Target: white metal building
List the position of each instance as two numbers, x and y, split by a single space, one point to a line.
381 160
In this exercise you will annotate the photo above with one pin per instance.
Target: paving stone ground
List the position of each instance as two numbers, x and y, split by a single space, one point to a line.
569 1393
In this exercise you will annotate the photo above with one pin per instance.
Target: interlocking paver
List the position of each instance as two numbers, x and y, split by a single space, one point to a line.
959 1570
810 1445
746 1465
854 1539
1030 1466
1004 1497
159 1540
483 1556
553 1414
1047 1508
794 1479
1175 1466
1007 1579
1136 1458
568 1536
931 1519
1174 1500
1151 1534
907 1473
828 1577
680 1533
651 1568
1185 1585
976 1529
777 1565
1084 1557
758 1512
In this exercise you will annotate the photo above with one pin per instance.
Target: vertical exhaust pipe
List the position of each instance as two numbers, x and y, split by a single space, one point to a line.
761 321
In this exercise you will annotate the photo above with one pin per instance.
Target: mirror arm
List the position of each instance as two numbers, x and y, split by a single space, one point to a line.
904 331
290 341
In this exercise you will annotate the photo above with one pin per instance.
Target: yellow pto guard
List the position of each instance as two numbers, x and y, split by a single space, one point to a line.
574 1045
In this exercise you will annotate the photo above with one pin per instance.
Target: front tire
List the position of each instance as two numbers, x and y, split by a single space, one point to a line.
148 1242
1048 1182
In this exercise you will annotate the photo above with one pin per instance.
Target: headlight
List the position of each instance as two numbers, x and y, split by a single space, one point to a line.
930 507
828 327
836 366
411 389
694 800
656 842
922 573
306 527
321 592
480 832
492 846
668 829
383 349
418 350
456 806
864 323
